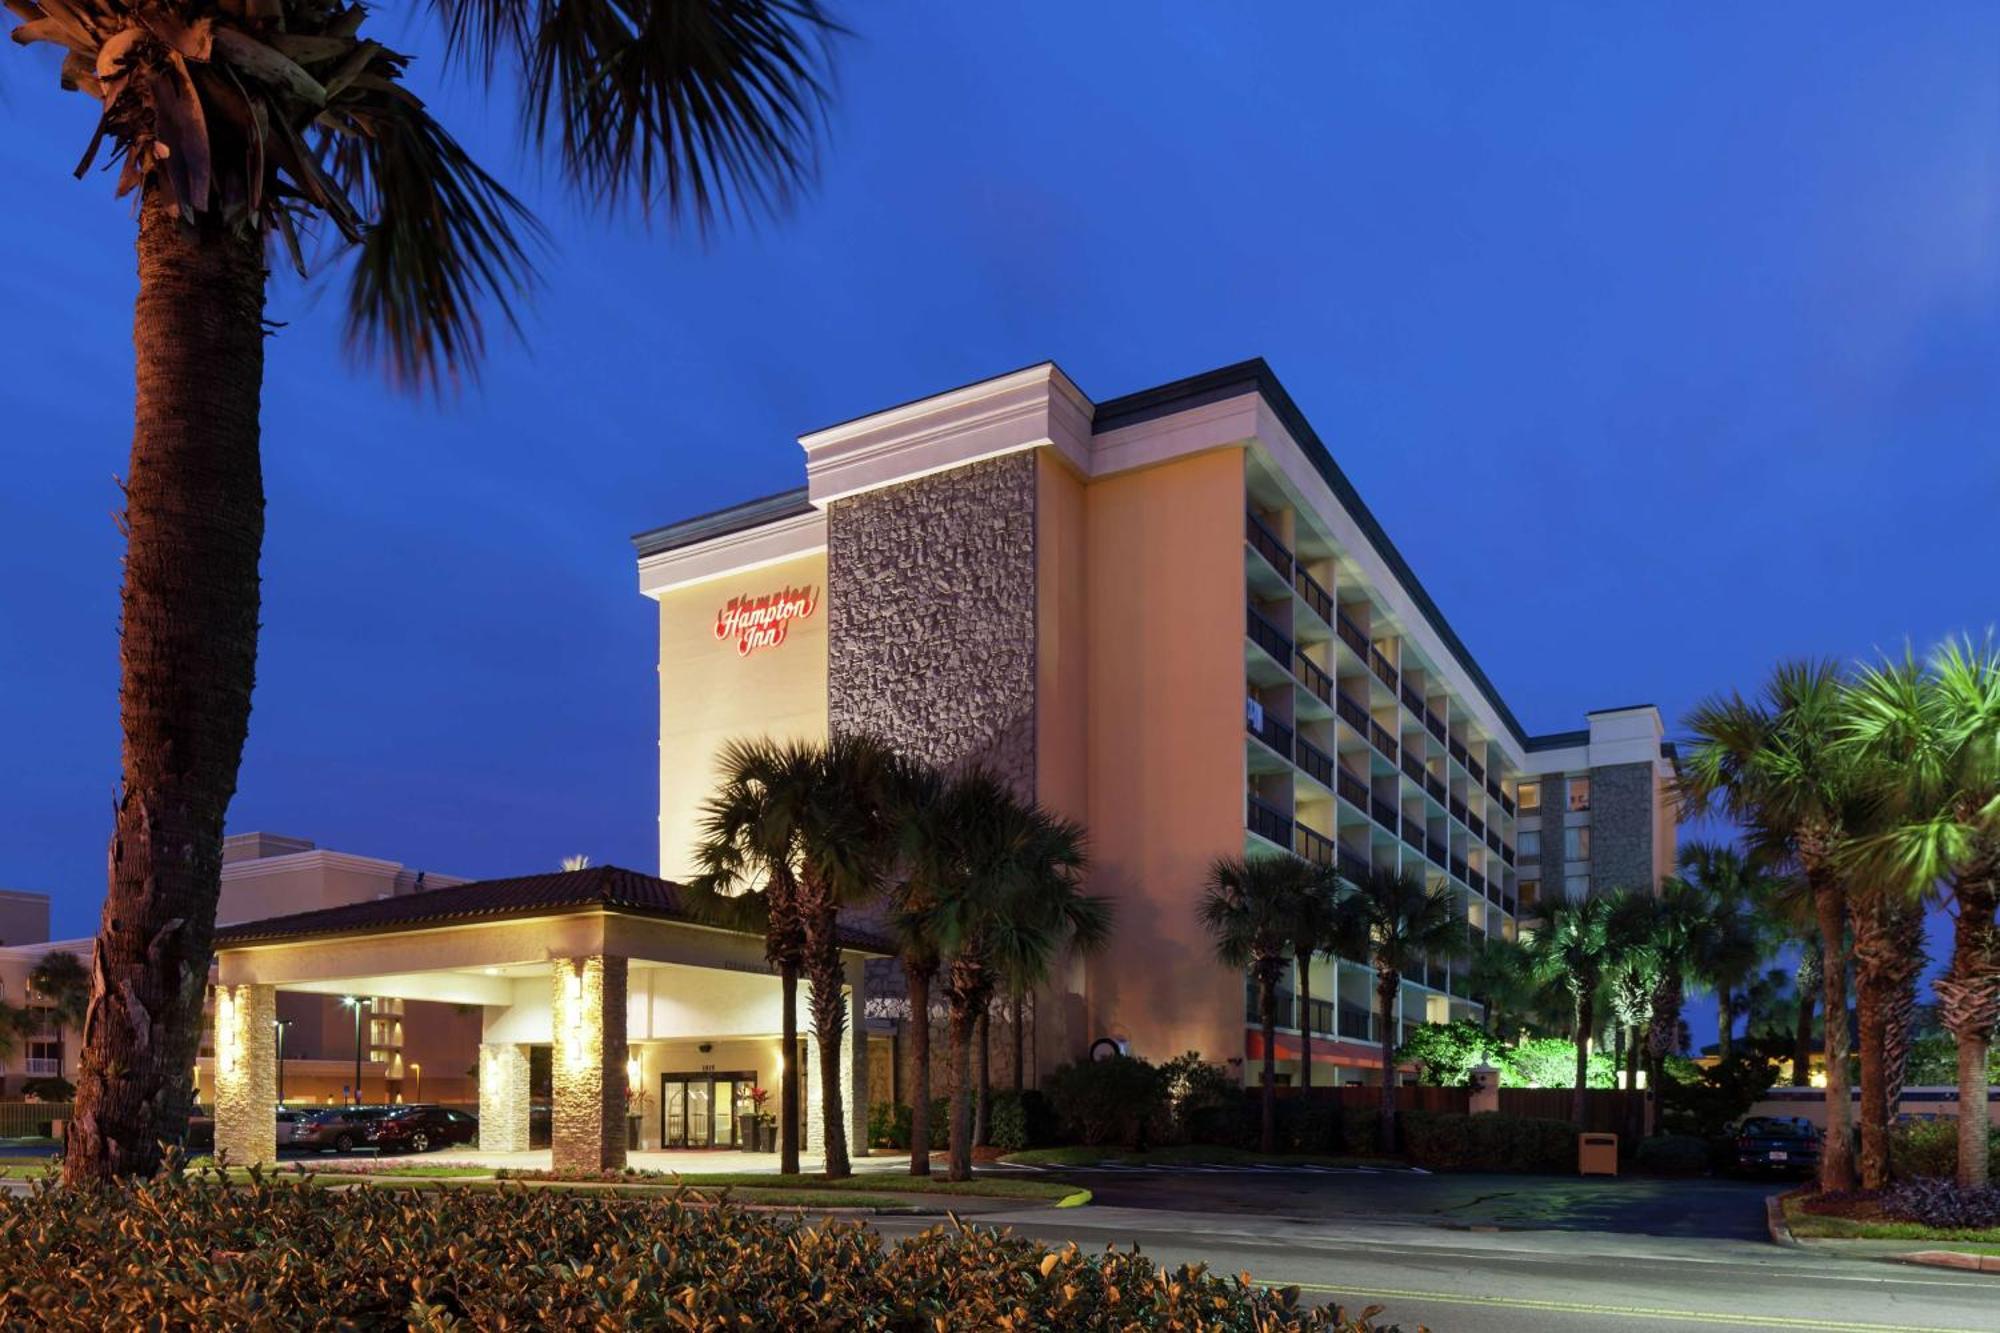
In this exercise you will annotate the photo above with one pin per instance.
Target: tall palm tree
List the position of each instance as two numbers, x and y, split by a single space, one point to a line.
235 128
62 979
1633 977
1018 905
1930 736
1572 951
1250 908
748 859
1394 919
1737 941
930 858
1680 931
1315 925
1775 765
1498 979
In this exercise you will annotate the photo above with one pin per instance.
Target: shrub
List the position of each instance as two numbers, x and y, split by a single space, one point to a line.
1673 1155
1722 1095
281 1254
1361 1130
48 1090
1929 1147
1943 1203
1550 1062
1451 1141
1121 1100
1022 1120
1447 1053
1194 1086
888 1125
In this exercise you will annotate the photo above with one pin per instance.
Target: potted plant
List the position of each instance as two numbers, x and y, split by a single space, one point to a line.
636 1105
762 1123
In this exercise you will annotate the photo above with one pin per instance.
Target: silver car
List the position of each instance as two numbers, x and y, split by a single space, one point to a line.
288 1124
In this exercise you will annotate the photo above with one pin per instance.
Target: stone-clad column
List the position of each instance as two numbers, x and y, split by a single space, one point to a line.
854 1064
246 1074
587 1130
503 1097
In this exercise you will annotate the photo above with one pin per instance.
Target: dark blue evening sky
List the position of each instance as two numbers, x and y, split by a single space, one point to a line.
1661 338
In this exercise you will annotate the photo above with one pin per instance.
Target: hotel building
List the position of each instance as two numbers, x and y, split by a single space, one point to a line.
1168 616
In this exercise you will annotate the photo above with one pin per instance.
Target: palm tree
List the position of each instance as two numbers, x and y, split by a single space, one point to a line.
1633 977
1775 765
1679 924
1250 906
929 818
1736 942
1572 950
1930 737
62 979
1315 923
1017 906
1394 919
237 127
1499 980
749 879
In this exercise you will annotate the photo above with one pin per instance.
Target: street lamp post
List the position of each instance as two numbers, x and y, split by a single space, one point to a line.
357 1004
281 1024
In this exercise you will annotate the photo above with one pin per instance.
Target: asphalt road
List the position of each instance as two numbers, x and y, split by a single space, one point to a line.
1508 1254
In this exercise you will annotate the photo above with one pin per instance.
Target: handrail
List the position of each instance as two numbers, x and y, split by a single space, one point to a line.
1267 543
1268 636
1317 597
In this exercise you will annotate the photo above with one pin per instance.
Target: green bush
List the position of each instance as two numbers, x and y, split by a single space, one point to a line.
1930 1147
1361 1130
189 1252
1121 1100
1673 1155
1194 1087
1447 1053
1550 1062
1450 1141
888 1125
1722 1095
1022 1120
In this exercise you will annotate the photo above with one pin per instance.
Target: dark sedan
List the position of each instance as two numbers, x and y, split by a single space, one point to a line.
1776 1143
422 1128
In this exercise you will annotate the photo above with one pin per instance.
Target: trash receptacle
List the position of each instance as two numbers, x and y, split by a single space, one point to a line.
1597 1154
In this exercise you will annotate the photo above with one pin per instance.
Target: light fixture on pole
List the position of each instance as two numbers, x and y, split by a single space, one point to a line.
281 1024
357 1003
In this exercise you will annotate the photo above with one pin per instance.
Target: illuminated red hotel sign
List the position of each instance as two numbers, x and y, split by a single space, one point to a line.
762 622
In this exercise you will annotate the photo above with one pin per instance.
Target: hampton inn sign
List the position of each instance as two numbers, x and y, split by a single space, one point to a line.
761 622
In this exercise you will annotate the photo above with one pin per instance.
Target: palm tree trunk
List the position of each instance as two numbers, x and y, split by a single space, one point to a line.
1585 1019
1725 1021
1969 1001
982 1119
918 979
1387 983
194 522
1899 1016
1305 1022
1836 1163
789 1073
829 1017
1808 981
962 1024
1869 915
1020 1042
1267 1013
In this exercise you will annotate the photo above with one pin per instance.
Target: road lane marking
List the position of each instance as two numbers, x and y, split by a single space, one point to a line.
1624 1311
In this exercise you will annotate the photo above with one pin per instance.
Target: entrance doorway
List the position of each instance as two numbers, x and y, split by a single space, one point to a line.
704 1110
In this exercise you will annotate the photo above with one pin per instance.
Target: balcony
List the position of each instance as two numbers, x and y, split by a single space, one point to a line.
1311 676
1382 739
1267 821
1269 637
1434 785
1493 843
1477 769
1506 853
1316 1017
1384 814
1454 744
1435 850
1283 1005
1413 836
1460 870
1352 713
42 1066
1477 825
1317 763
1458 810
1477 881
1434 724
1413 699
1384 669
1352 789
1313 846
1507 904
1272 732
1353 865
1266 543
1412 769
1493 788
1316 597
1352 635
1507 804
1356 1023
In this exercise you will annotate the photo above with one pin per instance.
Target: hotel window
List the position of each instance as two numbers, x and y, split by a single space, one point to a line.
1577 886
1531 892
1576 844
1530 841
1528 796
1579 794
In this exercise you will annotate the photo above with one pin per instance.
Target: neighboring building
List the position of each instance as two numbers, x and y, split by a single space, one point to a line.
1599 811
1168 616
45 1048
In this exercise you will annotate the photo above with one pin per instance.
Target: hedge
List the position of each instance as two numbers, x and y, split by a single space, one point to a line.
189 1251
1451 1141
1930 1147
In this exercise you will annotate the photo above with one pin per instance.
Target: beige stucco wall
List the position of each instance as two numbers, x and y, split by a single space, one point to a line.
711 694
1165 599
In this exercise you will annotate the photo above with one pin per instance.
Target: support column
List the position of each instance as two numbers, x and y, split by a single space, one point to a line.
503 1097
246 1074
587 1121
857 1062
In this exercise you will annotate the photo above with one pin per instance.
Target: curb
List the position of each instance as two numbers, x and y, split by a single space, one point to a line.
1774 1221
1969 1263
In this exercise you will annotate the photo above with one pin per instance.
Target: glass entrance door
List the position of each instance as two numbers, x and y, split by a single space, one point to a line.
701 1111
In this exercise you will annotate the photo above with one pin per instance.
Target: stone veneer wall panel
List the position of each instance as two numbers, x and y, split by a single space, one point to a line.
1621 820
246 1073
931 616
587 1130
504 1101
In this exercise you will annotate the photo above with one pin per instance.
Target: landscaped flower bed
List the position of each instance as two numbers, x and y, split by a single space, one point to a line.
195 1252
1917 1210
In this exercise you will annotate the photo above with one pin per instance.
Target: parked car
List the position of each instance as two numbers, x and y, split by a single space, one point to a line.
422 1128
200 1135
290 1120
341 1128
1777 1143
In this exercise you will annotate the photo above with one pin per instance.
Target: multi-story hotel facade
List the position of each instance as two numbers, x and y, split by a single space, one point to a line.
1170 617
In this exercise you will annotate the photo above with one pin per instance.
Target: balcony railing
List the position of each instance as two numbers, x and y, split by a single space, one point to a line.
1384 814
1284 1007
1433 724
1318 598
1435 850
1352 635
1316 1017
1353 865
1507 803
41 1066
1458 810
1508 905
1273 733
1454 744
1267 544
1352 789
1356 1023
1312 845
1352 713
1477 769
1385 670
1413 698
1477 881
1460 870
1506 853
1413 768
1493 787
1382 739
1493 841
1269 637
1435 786
1313 677
1315 761
1477 825
1266 821
1413 836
